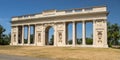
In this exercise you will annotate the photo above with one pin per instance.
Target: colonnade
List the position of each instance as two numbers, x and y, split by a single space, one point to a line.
20 35
58 20
74 33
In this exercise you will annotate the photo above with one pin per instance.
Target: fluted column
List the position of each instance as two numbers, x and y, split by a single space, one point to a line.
28 34
23 34
74 34
83 32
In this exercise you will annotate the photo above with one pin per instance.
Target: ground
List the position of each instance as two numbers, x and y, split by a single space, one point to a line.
15 57
62 53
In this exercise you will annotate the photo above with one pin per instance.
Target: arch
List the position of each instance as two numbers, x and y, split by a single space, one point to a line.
49 40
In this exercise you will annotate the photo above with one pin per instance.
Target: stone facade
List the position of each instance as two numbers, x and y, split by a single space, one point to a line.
59 19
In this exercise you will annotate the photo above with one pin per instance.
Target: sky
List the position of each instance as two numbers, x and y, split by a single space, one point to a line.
9 8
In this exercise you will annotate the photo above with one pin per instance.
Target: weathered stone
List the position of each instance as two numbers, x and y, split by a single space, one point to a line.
58 20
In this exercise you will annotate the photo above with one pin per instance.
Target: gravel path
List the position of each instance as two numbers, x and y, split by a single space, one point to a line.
13 57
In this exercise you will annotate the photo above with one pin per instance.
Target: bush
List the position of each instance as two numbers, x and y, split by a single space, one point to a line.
89 41
5 40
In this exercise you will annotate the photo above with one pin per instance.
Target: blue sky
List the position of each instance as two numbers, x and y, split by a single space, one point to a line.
9 8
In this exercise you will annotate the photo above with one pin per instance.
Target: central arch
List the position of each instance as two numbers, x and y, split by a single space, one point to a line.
49 35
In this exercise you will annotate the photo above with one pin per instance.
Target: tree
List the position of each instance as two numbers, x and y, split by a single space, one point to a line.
32 38
6 40
52 40
113 34
89 41
1 33
69 41
79 41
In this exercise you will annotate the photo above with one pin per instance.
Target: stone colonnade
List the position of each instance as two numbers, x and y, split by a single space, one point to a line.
58 19
60 34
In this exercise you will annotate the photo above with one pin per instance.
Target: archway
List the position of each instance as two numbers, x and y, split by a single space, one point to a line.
49 36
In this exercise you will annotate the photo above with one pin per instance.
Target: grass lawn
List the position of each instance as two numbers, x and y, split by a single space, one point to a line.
63 53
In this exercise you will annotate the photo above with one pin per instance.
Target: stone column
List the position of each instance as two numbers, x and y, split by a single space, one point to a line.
28 34
94 33
43 38
105 43
16 35
34 30
83 33
74 34
23 34
65 34
11 43
55 35
43 35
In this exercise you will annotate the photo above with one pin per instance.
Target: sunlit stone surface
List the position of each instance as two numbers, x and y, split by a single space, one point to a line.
58 19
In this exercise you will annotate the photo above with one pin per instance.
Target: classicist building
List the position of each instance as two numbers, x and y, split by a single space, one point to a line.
58 20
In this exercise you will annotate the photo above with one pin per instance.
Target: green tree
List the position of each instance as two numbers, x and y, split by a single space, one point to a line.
6 39
113 34
52 40
89 41
32 38
69 41
1 34
79 41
